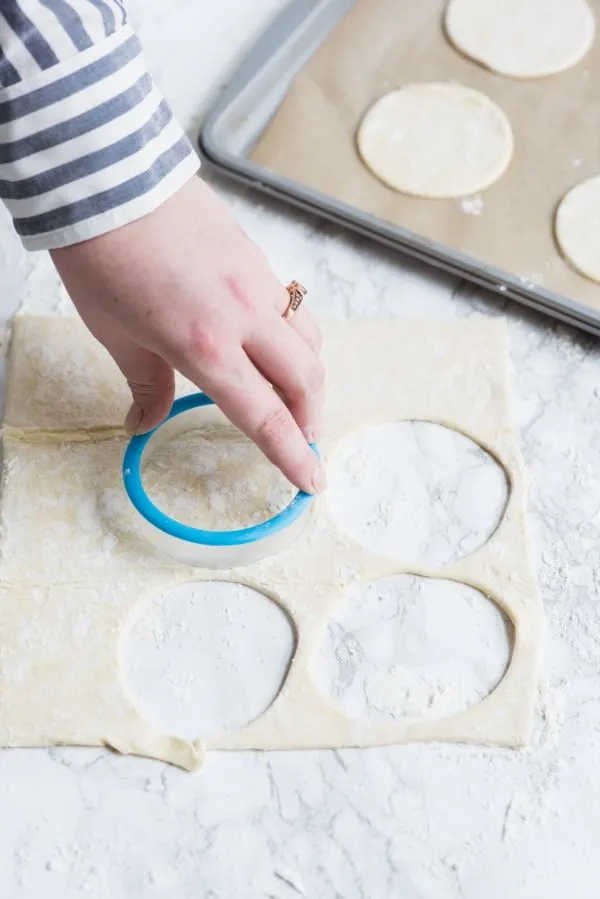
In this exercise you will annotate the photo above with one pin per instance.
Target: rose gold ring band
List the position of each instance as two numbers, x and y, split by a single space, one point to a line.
296 293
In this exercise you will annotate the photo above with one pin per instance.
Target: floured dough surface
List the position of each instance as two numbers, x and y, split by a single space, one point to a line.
578 227
50 350
436 140
212 473
76 570
522 38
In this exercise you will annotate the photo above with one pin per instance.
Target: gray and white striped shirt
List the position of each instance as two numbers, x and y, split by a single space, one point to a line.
87 143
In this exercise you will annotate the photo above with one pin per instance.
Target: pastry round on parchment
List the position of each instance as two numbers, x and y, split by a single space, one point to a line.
577 227
436 140
522 38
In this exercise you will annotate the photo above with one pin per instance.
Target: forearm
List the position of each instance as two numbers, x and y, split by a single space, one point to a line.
87 143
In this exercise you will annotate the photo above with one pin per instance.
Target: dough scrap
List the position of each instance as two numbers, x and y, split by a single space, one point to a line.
436 140
75 571
522 38
577 227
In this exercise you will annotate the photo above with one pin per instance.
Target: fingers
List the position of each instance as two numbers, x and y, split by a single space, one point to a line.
301 321
151 381
249 401
303 324
152 396
294 369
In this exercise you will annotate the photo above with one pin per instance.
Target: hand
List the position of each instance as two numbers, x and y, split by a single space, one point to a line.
184 288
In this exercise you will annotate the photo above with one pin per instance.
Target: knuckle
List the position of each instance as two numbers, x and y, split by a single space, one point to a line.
275 427
203 345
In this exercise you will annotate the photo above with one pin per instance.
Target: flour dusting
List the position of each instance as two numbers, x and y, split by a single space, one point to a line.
416 489
216 478
472 205
207 657
408 646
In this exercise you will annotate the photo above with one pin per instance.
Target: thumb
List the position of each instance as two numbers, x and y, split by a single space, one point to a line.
151 381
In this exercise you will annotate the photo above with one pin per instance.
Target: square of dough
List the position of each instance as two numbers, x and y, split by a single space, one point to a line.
75 568
64 514
61 379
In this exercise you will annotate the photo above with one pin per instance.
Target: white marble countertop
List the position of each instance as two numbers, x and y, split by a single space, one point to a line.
416 822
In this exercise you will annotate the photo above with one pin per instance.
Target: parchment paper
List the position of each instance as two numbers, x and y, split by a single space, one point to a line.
381 45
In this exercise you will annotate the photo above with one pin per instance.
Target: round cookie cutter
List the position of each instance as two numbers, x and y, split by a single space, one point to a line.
195 546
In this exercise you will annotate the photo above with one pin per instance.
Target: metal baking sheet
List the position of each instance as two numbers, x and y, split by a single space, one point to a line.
245 107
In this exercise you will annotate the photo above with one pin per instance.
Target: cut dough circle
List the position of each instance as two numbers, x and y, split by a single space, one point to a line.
522 38
577 227
408 645
436 140
432 468
199 642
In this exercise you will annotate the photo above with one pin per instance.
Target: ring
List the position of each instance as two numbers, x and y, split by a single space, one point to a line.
297 294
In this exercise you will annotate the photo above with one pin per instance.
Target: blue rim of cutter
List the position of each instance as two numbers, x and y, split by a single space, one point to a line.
132 479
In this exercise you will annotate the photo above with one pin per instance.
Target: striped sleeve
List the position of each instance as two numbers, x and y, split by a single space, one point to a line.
87 143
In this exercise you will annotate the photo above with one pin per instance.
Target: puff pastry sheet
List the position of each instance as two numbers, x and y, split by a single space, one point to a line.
75 570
